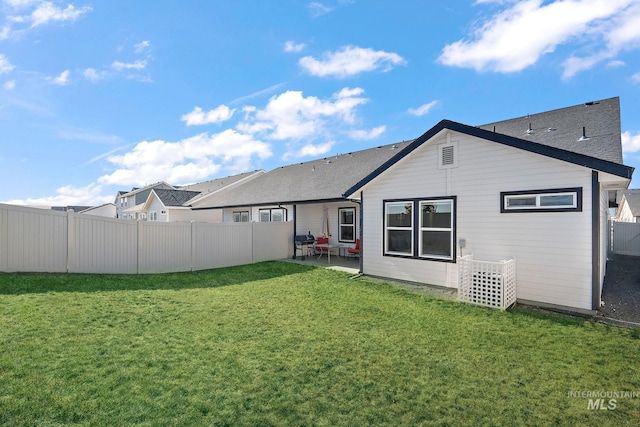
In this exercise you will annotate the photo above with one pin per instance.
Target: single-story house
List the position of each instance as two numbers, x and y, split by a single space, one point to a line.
535 188
629 206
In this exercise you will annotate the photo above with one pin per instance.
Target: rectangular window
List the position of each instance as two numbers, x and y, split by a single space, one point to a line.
277 215
555 200
273 215
436 229
420 228
153 216
398 224
242 216
347 224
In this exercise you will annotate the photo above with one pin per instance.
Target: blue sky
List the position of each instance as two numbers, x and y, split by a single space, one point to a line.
101 96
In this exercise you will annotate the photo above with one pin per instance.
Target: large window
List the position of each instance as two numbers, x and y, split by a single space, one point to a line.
241 216
420 228
347 224
556 200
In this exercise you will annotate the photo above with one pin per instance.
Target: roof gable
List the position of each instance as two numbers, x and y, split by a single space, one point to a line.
533 147
632 198
174 198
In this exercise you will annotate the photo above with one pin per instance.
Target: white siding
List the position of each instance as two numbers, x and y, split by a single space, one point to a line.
553 249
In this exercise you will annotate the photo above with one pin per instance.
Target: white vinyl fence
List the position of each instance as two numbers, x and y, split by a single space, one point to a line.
37 240
626 238
490 284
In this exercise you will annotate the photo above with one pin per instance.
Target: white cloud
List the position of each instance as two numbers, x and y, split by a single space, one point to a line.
62 79
630 142
364 135
10 85
199 117
5 32
616 64
423 109
137 65
318 9
184 161
93 75
141 47
518 36
291 46
5 65
69 195
46 12
291 116
349 61
635 78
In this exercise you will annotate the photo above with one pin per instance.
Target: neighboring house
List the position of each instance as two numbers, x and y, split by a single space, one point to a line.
129 204
629 206
536 188
107 210
168 205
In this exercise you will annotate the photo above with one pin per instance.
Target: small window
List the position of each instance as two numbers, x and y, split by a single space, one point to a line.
273 215
242 216
153 216
347 224
555 200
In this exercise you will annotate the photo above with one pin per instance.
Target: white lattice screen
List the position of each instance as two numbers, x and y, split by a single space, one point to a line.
490 284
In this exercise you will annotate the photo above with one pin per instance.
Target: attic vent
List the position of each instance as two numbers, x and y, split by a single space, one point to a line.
448 156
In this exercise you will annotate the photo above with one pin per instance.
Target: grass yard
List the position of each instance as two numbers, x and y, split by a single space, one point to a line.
285 344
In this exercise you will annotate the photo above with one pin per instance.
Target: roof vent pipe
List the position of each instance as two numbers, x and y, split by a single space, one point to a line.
584 136
530 130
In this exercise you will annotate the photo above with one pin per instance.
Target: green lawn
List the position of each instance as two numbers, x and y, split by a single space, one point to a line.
285 344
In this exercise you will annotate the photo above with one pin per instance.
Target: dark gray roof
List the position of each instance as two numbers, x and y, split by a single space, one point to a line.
562 128
590 162
215 184
633 200
175 197
318 180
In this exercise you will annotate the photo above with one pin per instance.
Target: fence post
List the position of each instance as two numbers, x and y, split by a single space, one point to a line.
72 255
194 248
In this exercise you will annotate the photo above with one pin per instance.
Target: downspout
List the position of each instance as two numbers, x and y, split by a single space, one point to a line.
295 229
361 221
595 241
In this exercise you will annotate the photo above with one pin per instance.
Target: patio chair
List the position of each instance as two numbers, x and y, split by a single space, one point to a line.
355 251
320 246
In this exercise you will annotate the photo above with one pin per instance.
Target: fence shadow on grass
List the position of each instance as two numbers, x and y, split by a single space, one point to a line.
38 283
